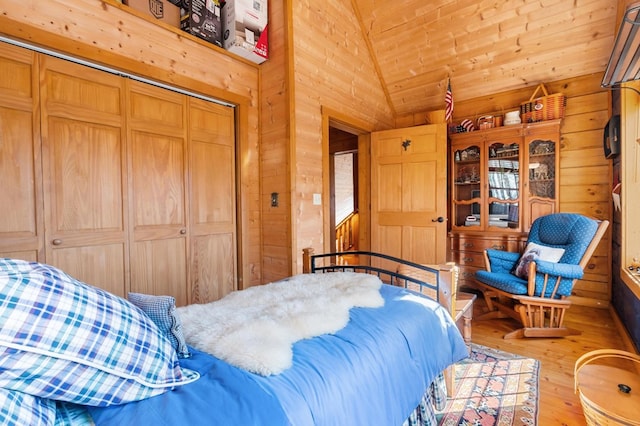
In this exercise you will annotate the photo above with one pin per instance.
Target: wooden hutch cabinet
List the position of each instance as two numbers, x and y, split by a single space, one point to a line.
501 180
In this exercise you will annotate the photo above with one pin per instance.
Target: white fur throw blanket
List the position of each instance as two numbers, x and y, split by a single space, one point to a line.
255 329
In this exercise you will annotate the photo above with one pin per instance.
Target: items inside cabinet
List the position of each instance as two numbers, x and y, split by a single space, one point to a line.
466 172
542 170
504 184
503 178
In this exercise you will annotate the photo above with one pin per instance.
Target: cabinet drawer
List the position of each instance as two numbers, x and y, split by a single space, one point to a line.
479 244
468 258
466 276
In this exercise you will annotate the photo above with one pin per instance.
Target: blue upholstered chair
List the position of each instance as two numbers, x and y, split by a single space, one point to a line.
533 287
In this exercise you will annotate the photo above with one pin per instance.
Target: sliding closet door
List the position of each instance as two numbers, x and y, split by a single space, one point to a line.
83 167
124 185
21 225
157 137
213 201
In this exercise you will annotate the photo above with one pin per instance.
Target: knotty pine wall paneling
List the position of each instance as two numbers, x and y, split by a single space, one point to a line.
585 174
333 69
108 33
276 122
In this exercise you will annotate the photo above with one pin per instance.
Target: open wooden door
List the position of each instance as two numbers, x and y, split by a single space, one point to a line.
409 193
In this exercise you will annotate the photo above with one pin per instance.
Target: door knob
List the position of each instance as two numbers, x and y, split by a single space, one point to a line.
439 219
56 242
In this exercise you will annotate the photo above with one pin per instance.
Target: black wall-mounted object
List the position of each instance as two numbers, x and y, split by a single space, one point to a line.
611 137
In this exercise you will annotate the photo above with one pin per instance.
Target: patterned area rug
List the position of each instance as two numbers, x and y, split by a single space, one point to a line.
493 388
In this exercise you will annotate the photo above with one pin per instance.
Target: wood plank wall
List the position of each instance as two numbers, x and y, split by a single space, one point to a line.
111 34
585 174
275 167
280 118
332 71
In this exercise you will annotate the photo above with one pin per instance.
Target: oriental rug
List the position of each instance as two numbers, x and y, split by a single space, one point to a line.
493 387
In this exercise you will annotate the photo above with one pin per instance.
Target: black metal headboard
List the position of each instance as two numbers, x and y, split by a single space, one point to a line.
390 269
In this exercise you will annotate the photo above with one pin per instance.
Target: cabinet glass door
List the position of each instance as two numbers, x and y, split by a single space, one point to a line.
504 185
467 195
542 169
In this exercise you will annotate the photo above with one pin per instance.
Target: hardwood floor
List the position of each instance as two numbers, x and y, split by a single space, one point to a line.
558 404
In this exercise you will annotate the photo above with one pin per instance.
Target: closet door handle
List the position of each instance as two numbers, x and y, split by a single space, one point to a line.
56 242
183 231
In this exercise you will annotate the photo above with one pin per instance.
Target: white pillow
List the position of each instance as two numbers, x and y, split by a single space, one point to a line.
535 252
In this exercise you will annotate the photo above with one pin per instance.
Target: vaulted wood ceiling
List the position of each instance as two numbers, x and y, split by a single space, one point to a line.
483 46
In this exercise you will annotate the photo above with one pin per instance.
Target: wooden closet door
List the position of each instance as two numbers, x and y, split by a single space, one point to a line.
212 201
83 170
157 137
21 225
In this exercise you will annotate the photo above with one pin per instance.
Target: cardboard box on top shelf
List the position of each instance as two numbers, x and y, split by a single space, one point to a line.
162 10
202 19
244 26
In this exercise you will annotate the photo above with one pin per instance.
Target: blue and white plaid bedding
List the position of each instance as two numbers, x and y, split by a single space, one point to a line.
162 311
65 340
17 408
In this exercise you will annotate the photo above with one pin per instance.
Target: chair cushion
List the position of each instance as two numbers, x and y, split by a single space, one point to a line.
570 231
535 252
503 281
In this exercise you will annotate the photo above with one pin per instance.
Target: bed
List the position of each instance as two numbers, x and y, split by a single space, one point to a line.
135 363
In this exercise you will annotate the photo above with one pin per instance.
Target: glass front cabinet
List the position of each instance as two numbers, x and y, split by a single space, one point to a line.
503 178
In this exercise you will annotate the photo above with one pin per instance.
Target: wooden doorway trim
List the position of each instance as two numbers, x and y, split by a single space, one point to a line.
333 118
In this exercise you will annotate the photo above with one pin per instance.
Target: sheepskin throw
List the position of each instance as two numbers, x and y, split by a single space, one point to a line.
255 329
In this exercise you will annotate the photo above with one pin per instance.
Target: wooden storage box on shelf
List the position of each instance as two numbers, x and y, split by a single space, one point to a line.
467 251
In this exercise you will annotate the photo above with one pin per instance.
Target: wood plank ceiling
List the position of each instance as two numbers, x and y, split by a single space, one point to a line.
484 46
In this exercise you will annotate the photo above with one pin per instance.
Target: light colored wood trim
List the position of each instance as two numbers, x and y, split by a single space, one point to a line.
290 87
364 191
243 170
338 120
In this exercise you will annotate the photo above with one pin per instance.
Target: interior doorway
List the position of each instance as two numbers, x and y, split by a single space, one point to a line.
344 189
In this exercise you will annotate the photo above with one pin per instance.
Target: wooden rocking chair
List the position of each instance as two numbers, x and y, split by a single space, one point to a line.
534 287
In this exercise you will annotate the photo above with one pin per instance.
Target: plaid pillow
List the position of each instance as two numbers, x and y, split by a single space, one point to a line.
17 408
68 414
65 340
162 311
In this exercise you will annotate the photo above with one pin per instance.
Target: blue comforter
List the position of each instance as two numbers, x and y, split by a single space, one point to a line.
372 372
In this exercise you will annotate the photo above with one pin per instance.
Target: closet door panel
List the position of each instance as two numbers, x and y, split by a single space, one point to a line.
85 156
213 267
84 173
160 267
158 182
20 173
212 201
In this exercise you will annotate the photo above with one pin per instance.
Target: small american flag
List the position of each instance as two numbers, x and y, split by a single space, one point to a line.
448 101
